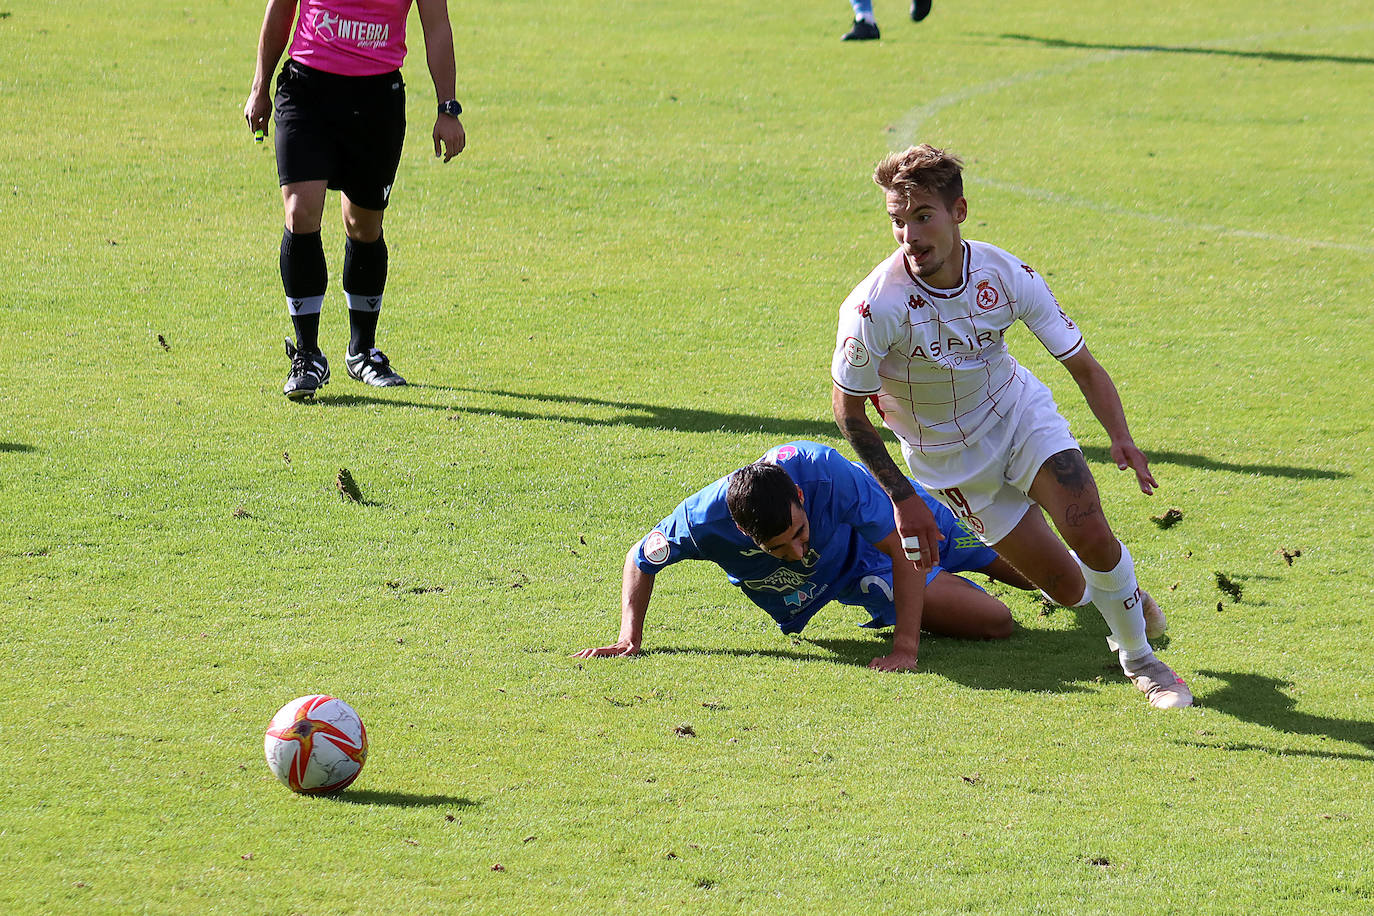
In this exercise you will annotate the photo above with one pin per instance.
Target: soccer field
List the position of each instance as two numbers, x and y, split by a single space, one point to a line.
623 289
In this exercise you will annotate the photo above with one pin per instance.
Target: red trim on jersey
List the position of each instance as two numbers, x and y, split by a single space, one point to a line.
858 394
1071 350
944 293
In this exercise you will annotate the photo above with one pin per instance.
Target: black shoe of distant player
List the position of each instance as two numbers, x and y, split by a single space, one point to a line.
309 373
373 368
920 9
862 31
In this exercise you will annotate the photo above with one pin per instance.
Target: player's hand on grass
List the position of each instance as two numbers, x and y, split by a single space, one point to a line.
1126 455
920 534
449 133
619 650
897 661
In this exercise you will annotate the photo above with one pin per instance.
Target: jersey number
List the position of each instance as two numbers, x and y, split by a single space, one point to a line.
959 503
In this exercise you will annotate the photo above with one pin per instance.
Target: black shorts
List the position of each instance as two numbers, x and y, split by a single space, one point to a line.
346 130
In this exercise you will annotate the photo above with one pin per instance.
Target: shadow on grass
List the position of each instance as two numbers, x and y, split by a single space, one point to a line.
683 419
400 799
1033 661
1275 751
643 416
16 447
1064 661
1163 456
1261 700
1277 56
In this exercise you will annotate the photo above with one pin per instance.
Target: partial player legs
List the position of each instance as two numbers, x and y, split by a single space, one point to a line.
305 278
865 27
1065 488
360 223
303 202
304 275
1033 548
364 282
956 607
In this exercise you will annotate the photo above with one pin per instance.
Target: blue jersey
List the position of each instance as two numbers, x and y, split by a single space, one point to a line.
847 511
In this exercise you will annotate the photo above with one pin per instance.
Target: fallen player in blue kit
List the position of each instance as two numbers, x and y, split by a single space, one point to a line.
804 526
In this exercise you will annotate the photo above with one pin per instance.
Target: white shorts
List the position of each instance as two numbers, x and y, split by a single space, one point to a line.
986 484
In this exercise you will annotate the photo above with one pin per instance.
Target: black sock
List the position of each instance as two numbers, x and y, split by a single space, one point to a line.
364 280
305 278
307 332
362 330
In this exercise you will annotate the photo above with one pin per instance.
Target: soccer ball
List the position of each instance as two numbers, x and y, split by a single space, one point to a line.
316 744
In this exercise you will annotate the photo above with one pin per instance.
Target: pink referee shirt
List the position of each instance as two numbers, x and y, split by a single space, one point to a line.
351 37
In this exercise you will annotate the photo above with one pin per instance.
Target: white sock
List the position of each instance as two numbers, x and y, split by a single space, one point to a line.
359 303
1081 602
310 305
867 17
1116 595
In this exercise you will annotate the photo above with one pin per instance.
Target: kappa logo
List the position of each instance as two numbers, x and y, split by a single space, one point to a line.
656 547
987 295
855 353
1028 269
863 309
916 302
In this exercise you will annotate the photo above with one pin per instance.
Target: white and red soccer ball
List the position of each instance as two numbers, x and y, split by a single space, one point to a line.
316 744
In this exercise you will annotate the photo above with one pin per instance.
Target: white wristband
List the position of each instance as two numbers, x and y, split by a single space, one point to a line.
912 548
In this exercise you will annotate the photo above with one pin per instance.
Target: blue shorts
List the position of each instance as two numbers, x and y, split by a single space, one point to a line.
870 585
874 594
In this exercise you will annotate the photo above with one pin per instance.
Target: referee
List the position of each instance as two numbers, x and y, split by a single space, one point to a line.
340 118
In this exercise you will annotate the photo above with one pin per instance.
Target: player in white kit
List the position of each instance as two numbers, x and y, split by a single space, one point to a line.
923 339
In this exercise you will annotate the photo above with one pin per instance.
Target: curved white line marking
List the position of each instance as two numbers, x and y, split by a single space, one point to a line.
1069 200
910 124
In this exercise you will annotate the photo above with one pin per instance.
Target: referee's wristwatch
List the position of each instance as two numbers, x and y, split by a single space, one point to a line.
450 108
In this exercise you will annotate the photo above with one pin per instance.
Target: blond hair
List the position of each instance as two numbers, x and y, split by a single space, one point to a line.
922 168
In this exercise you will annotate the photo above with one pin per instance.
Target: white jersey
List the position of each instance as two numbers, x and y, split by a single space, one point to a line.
936 360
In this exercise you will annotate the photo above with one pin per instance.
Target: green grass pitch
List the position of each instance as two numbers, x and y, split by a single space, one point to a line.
625 287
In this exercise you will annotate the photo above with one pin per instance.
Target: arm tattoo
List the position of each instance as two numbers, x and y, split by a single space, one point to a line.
869 445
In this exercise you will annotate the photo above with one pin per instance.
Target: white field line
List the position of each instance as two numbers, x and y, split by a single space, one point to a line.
908 128
1084 203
